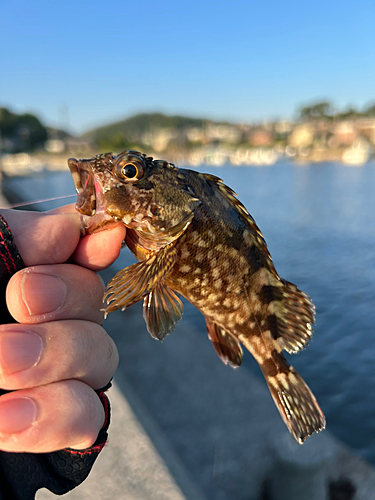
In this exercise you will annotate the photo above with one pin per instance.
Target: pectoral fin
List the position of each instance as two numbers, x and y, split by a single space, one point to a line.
133 283
162 310
227 347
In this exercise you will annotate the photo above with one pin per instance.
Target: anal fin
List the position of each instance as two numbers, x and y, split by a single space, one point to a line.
227 347
162 310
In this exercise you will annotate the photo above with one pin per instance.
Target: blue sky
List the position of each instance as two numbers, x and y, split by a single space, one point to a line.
86 63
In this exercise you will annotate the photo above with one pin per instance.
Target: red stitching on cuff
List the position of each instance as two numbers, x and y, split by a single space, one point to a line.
5 222
105 403
95 449
89 451
9 254
4 259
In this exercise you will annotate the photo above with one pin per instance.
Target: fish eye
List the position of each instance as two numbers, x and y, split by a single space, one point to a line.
129 169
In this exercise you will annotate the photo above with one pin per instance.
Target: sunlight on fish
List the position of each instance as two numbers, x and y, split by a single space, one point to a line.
193 237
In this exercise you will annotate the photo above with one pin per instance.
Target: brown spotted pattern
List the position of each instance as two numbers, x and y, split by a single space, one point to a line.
194 237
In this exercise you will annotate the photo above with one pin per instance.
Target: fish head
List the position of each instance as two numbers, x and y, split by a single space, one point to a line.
149 196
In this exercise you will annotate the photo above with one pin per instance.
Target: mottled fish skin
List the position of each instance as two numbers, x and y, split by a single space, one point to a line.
195 238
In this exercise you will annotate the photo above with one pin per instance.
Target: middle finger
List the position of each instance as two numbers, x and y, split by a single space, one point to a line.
54 292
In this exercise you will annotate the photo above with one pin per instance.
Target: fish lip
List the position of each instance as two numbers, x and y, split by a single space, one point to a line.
84 183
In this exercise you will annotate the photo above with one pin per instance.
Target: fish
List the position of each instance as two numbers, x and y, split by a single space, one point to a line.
193 238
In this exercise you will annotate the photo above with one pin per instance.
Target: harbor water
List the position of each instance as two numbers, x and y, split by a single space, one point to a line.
319 224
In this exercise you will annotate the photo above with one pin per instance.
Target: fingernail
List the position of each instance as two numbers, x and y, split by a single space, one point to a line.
42 293
19 350
17 414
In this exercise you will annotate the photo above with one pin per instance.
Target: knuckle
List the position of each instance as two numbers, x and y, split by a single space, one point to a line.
95 288
112 354
97 356
69 414
89 415
85 348
85 296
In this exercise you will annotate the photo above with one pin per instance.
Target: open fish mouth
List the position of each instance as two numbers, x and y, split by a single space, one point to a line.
89 197
84 183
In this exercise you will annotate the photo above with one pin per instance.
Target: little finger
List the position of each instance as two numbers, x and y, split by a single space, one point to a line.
65 414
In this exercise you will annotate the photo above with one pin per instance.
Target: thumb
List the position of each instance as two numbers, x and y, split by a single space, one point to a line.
43 238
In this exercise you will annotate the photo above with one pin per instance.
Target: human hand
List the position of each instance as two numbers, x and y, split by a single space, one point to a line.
58 353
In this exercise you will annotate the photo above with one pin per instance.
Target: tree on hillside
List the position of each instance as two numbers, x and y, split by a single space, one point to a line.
23 132
370 110
322 109
349 113
133 130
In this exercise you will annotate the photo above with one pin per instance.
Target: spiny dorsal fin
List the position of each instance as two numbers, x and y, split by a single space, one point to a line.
212 178
255 232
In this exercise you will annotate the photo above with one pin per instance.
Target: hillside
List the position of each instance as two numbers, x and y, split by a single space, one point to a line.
141 130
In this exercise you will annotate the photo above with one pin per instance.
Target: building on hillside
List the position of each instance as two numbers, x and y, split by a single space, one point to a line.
344 133
302 136
261 138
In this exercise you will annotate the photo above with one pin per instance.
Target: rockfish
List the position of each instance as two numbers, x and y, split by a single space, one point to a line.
193 237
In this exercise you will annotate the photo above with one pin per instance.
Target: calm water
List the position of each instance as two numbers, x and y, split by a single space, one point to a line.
319 223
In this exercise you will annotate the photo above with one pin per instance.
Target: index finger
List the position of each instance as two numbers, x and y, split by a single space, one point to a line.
52 238
96 251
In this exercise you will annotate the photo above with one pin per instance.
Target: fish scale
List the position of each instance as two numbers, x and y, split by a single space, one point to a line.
194 238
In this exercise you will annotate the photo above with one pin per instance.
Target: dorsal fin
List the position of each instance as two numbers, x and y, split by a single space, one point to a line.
295 314
282 310
231 197
212 178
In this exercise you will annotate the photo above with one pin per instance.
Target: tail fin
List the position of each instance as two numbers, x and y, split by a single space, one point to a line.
295 402
281 319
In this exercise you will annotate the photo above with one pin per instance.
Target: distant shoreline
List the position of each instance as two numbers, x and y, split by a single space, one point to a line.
23 164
